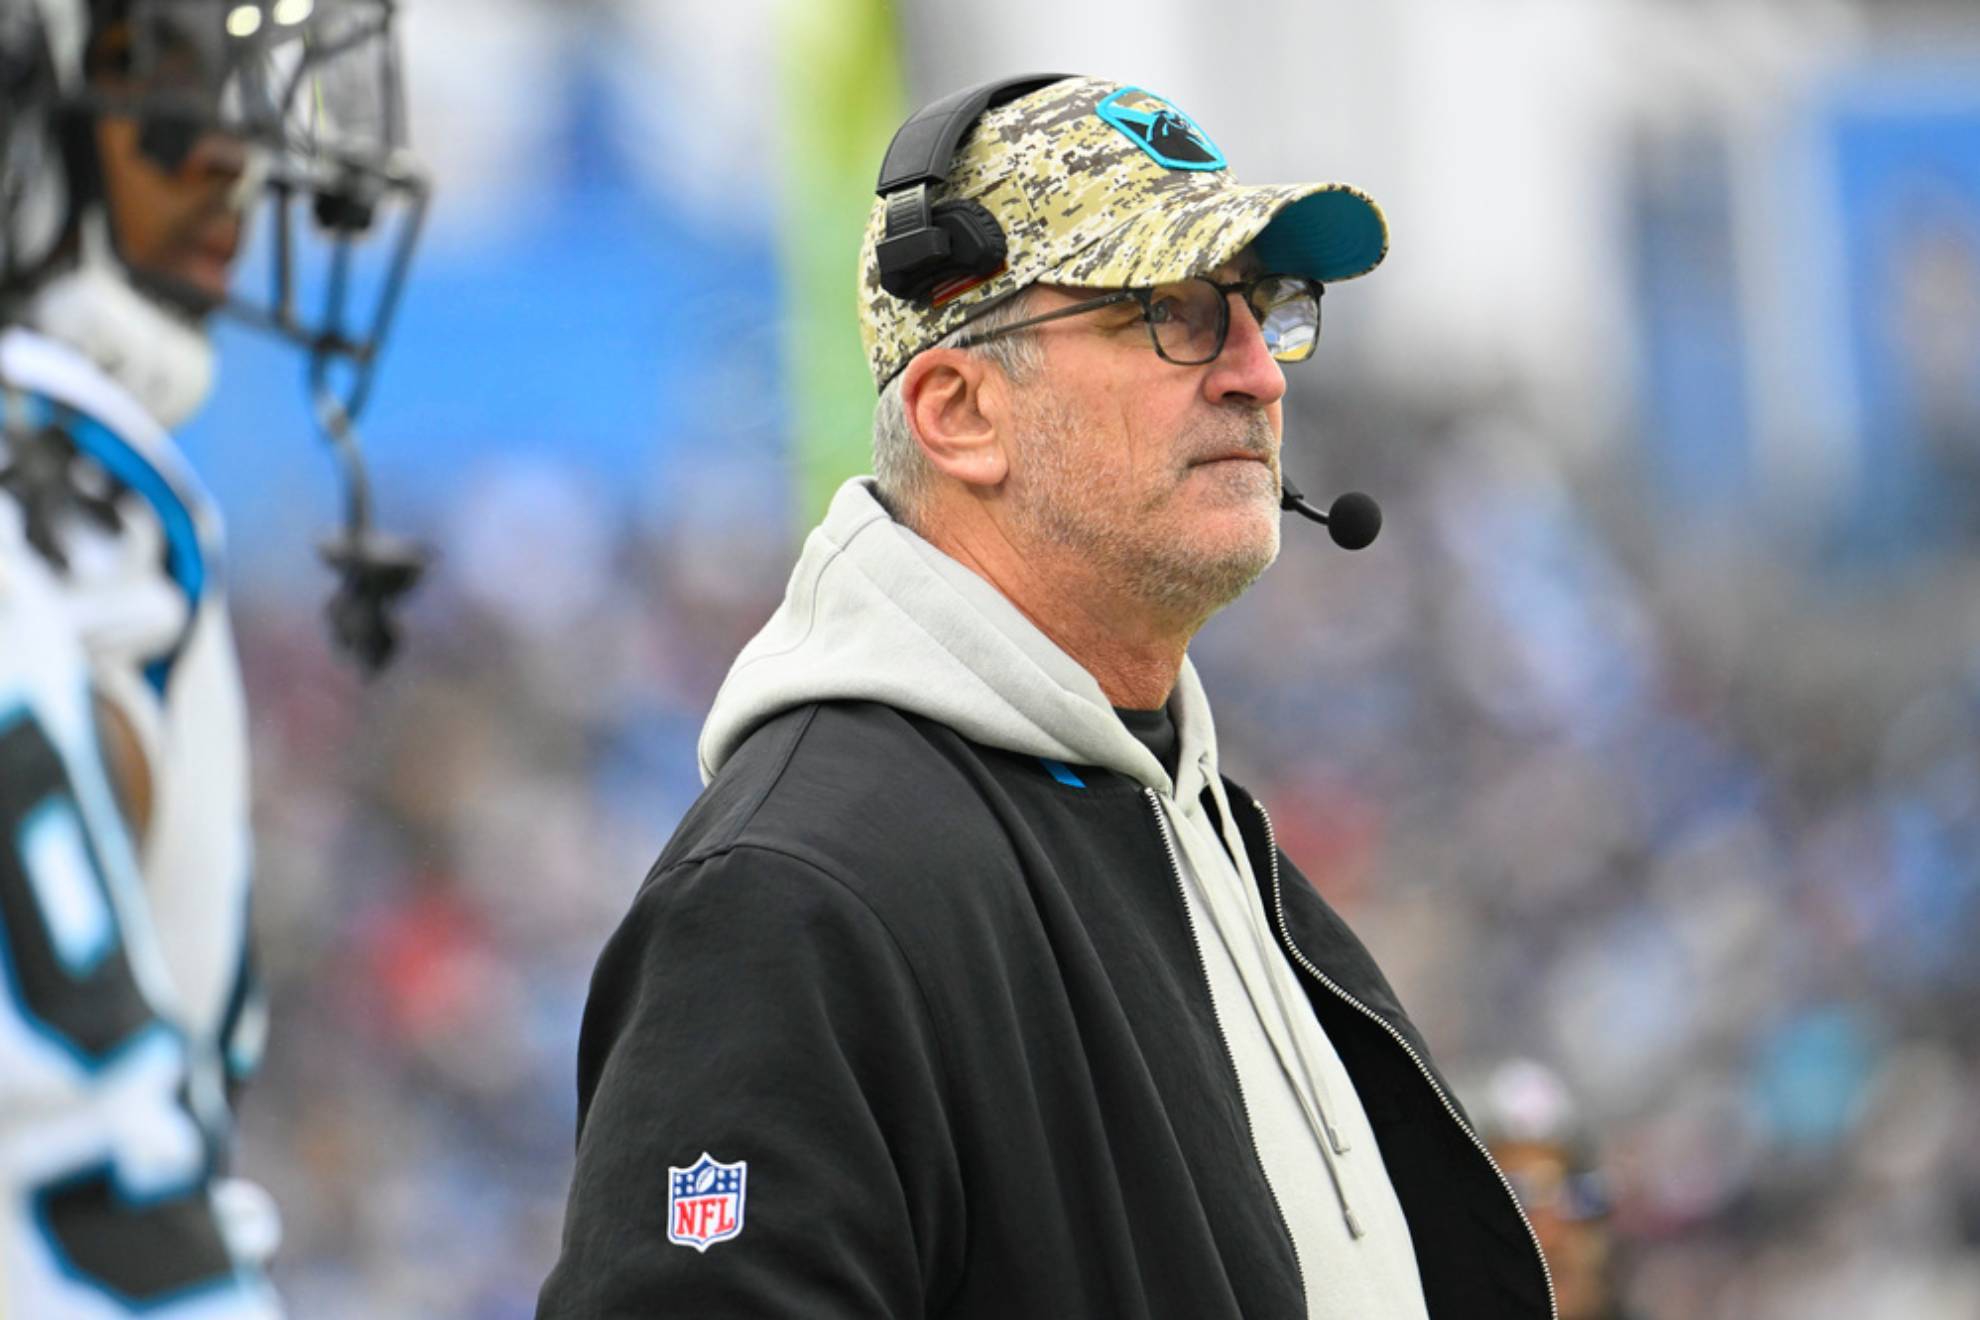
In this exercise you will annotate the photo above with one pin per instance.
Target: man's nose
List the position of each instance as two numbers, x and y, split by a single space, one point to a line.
1246 368
216 158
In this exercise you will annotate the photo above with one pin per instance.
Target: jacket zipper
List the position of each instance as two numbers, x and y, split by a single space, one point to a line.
1203 969
1285 934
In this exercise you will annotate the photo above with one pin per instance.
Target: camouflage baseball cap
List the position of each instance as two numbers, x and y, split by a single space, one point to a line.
1106 186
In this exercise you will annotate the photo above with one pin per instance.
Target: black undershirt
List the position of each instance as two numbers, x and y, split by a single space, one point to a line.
1156 731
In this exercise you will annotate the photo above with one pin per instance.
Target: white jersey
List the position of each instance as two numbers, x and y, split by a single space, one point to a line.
124 992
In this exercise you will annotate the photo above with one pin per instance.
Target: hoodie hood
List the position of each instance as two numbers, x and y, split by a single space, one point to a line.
875 613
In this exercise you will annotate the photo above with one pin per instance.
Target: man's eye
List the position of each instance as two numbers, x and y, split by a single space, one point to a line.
1164 310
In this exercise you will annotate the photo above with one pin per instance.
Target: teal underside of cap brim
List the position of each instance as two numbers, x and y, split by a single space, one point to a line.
1328 236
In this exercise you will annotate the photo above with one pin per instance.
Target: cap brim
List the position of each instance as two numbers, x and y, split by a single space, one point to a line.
1333 234
1325 231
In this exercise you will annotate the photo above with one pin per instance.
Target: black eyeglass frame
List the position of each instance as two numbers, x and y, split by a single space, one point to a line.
1146 297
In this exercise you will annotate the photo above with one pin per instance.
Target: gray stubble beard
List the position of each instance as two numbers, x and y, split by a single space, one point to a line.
1058 505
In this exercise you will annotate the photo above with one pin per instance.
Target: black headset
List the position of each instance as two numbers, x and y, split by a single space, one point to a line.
924 243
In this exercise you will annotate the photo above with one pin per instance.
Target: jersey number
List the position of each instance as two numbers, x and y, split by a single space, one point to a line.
64 963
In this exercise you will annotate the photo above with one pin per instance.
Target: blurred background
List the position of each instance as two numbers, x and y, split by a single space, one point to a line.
1644 745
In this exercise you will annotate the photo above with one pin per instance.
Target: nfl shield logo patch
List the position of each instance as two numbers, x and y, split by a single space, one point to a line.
705 1201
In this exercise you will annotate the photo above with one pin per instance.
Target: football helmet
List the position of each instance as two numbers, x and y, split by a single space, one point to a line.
305 99
311 88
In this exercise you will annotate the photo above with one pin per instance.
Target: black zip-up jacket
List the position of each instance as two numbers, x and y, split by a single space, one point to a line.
949 1012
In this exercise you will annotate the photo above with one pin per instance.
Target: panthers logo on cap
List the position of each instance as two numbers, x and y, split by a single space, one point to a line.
1158 128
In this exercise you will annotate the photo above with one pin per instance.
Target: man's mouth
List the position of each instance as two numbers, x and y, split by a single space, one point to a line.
205 262
1231 460
219 241
1236 439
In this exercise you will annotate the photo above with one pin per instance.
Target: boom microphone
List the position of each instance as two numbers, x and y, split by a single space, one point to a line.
1353 520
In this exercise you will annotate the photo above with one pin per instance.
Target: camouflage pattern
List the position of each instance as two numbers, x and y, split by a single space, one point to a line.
1084 204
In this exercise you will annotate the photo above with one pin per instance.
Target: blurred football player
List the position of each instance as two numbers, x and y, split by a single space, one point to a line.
135 135
1548 1152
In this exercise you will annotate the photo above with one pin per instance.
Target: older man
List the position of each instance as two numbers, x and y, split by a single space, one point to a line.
970 988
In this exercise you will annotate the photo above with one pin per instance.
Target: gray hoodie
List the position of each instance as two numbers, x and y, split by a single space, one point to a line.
875 613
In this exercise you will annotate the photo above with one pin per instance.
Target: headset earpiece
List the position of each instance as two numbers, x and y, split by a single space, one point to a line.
960 239
927 244
976 240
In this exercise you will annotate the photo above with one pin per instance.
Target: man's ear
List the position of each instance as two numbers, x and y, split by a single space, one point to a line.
957 403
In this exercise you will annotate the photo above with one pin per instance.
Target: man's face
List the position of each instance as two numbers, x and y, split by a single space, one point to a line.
177 221
182 226
1575 1240
1163 478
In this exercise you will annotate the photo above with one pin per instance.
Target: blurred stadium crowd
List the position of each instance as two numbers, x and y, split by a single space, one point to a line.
1674 793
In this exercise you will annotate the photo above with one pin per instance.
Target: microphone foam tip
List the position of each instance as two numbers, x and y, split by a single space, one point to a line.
1354 520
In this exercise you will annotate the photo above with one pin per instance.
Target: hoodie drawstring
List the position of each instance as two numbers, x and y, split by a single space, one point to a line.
1332 1144
1315 1102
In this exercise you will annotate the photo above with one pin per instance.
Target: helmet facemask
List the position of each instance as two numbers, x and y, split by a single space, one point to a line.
312 89
306 95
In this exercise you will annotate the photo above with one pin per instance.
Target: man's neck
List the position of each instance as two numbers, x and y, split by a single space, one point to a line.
1133 656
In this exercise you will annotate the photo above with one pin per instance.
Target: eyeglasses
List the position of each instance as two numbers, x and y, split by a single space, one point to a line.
1189 321
1579 1196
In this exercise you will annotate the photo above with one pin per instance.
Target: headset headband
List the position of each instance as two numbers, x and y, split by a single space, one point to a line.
923 147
